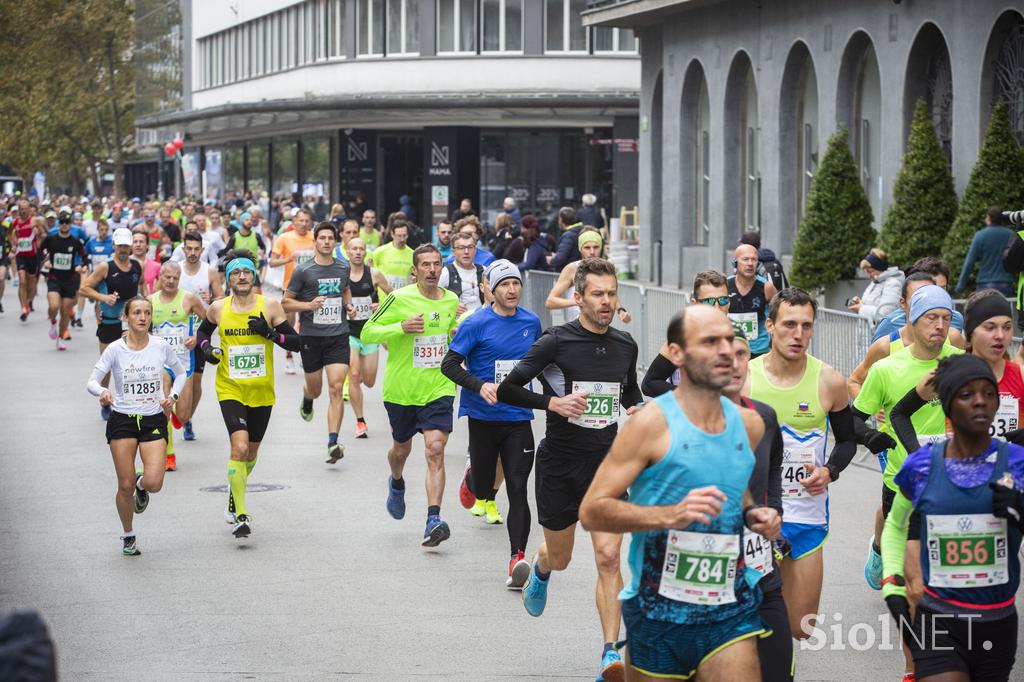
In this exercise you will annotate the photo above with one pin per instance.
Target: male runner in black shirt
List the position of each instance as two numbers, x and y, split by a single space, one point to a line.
63 276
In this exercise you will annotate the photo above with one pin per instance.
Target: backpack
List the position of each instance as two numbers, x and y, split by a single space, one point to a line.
772 270
455 281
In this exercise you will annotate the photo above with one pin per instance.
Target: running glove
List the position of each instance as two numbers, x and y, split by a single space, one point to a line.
899 609
1007 503
876 441
260 326
211 353
1016 436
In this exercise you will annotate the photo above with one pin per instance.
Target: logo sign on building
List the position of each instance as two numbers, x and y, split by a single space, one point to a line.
440 159
356 150
439 195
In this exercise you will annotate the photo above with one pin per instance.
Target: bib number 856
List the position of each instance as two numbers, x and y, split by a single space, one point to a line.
967 551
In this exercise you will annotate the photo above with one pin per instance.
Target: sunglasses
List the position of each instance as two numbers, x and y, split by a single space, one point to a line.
715 300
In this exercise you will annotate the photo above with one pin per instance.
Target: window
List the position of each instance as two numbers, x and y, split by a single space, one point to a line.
403 27
370 20
564 28
335 28
502 26
608 39
456 25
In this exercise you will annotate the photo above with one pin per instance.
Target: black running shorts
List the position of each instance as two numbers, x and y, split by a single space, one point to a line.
239 417
67 288
319 351
143 428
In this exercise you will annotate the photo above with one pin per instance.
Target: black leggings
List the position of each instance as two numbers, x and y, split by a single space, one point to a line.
513 442
776 651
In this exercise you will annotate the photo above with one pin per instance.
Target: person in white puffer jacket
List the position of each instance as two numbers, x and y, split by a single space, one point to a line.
882 295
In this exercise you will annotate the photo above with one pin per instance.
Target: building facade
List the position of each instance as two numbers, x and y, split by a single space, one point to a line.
738 97
436 100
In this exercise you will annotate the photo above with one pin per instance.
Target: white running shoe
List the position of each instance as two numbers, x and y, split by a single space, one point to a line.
61 345
289 366
53 330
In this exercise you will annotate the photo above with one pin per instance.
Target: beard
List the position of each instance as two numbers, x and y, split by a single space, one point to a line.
702 374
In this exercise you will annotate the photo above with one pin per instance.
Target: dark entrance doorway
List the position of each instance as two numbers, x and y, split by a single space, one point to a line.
399 171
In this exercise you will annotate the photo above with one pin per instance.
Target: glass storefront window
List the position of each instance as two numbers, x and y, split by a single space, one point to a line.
258 168
316 168
286 169
233 164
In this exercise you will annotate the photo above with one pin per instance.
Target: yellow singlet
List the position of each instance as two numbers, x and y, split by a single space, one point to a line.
246 369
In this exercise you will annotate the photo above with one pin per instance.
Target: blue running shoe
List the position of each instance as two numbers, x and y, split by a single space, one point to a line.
436 532
189 433
612 669
873 567
396 501
105 412
535 592
883 460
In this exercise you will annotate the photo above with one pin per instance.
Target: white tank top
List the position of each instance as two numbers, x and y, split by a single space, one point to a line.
197 282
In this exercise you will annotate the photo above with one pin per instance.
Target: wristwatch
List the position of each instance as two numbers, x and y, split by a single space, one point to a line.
895 579
174 397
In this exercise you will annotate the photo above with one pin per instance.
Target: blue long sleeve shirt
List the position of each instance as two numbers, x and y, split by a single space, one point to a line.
987 248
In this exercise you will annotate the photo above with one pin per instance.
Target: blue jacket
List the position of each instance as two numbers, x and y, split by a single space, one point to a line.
987 249
568 249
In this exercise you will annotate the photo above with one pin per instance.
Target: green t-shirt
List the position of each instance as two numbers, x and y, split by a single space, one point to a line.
413 372
888 381
395 265
371 239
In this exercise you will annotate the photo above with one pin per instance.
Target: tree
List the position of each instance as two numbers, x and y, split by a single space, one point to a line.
67 104
997 179
924 200
836 230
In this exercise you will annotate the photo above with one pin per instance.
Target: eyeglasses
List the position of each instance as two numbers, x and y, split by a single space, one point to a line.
464 248
720 301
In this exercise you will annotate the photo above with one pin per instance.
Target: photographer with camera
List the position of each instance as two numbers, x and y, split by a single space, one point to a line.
1013 263
987 248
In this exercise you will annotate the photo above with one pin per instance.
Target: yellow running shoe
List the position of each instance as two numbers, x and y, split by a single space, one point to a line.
492 514
479 508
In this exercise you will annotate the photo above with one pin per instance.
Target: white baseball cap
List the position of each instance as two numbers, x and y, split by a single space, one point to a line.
122 237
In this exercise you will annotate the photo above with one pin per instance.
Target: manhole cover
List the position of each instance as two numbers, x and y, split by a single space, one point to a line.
251 488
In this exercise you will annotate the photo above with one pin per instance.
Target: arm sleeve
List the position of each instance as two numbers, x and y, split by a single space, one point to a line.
656 380
631 394
287 337
894 542
899 419
451 367
383 324
775 470
512 390
98 372
846 439
205 332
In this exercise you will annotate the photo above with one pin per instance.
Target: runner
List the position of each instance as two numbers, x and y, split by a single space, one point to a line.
202 280
562 295
369 232
174 313
686 461
587 369
245 237
808 396
319 292
349 231
6 230
939 271
416 322
249 326
394 259
291 249
709 288
100 248
490 342
138 421
966 491
57 254
364 282
27 232
750 295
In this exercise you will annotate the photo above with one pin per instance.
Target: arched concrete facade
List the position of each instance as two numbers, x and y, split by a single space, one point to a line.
798 139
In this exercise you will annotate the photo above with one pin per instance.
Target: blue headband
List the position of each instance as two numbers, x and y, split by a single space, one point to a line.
928 297
238 264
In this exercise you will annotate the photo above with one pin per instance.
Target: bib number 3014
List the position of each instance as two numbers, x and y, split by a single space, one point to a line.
602 404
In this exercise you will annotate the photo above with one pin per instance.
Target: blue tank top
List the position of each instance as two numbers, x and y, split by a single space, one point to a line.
967 555
694 575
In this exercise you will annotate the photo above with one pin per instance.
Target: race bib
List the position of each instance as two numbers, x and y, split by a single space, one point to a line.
1006 416
140 390
602 404
926 440
98 258
62 261
700 568
303 256
757 552
428 351
502 368
330 312
151 251
24 244
397 282
749 323
174 335
966 550
363 306
793 472
247 361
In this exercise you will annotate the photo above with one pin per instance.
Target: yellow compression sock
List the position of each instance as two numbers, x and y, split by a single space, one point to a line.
250 465
238 475
170 437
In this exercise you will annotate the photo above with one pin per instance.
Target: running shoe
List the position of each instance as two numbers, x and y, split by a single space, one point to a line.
1 308
612 669
32 306
361 429
130 548
189 433
466 496
335 452
479 508
873 567
396 501
53 330
243 526
436 532
491 513
909 677
535 592
229 513
518 572
171 464
67 335
141 496
289 366
306 416
61 345
105 412
24 313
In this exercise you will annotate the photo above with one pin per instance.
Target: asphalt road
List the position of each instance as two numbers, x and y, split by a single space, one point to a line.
328 585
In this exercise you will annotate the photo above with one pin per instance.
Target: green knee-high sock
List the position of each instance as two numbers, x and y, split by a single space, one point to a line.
250 465
170 437
238 474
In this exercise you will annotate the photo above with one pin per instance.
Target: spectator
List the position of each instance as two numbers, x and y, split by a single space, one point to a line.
882 295
443 241
897 318
356 206
512 211
464 211
506 239
472 224
987 249
590 214
337 215
533 242
769 266
405 206
567 250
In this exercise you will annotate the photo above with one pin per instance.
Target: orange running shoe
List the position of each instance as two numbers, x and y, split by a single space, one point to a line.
172 463
361 429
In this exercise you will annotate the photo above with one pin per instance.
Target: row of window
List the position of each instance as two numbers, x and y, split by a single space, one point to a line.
315 31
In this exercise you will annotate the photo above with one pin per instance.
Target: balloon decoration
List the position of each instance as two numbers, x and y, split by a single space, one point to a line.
178 143
170 149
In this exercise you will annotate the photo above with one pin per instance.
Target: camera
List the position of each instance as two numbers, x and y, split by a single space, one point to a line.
1015 217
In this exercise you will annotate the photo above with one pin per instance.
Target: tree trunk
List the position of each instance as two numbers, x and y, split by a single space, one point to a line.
118 145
